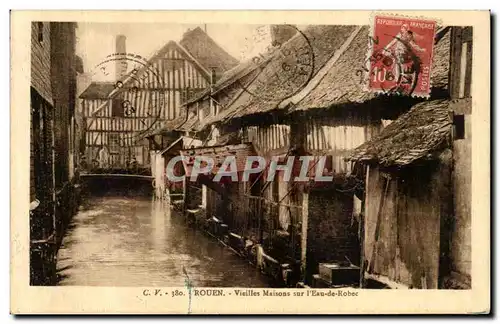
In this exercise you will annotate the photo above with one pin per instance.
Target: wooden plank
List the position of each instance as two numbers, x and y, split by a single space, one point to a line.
183 83
303 245
177 103
468 71
362 225
463 68
191 76
467 34
455 59
371 265
157 74
115 175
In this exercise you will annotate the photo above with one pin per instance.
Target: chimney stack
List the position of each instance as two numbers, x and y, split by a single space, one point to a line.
282 33
121 62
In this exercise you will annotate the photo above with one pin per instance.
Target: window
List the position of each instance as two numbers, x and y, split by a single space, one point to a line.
114 143
458 127
40 32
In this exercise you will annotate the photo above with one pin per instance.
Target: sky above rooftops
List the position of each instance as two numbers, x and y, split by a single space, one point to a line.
97 40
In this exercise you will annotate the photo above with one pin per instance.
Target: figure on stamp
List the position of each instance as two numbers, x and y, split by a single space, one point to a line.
403 45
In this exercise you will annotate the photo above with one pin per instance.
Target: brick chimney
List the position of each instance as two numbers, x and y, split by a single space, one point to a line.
121 63
282 33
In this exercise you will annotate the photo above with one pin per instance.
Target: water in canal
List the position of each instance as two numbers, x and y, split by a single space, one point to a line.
123 241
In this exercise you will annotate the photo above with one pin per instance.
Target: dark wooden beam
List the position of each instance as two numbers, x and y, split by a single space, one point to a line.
461 106
455 53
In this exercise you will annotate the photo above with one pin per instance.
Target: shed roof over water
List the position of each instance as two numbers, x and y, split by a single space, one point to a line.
419 133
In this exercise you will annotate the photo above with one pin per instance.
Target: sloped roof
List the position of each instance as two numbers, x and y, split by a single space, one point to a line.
104 92
171 44
423 130
266 92
227 79
207 52
324 40
98 90
342 84
196 45
180 123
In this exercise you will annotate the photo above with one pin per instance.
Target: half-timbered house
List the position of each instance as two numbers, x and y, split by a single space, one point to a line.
119 113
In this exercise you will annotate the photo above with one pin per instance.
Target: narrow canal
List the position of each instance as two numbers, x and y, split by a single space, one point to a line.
122 241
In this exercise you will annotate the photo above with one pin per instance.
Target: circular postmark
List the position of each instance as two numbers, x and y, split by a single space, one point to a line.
137 100
283 69
391 71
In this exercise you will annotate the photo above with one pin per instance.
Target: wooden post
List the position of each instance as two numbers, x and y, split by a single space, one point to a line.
185 197
303 244
204 196
455 51
362 231
460 62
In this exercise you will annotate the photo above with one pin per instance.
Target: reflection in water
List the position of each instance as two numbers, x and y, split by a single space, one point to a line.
160 217
118 241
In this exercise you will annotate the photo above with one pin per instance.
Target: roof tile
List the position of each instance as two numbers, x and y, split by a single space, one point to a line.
421 131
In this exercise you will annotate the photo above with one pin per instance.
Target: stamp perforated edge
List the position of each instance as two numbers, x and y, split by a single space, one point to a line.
371 32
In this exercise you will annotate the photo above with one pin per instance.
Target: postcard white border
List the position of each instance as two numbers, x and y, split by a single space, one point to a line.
26 299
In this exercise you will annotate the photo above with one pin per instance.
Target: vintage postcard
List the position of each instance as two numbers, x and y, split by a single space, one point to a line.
230 162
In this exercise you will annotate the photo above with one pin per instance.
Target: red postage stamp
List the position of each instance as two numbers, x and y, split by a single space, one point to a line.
400 55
